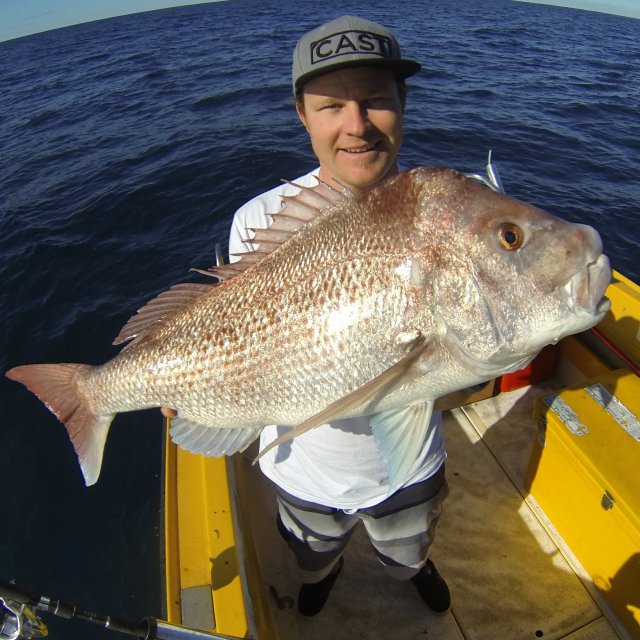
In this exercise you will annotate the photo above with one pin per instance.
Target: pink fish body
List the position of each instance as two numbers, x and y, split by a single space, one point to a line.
427 284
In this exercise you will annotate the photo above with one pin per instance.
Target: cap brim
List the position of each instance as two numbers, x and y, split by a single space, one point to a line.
401 68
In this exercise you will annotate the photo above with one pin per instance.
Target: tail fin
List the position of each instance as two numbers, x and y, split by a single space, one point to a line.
56 385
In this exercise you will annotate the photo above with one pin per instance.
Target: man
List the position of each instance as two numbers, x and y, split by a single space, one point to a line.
349 85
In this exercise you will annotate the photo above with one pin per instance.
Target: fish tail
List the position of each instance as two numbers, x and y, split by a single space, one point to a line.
57 385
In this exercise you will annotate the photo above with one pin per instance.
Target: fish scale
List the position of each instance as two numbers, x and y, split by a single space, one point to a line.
378 304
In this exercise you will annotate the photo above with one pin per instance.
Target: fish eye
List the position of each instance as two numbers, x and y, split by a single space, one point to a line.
511 236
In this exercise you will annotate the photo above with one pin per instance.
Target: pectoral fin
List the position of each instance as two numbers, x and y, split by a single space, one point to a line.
411 366
399 434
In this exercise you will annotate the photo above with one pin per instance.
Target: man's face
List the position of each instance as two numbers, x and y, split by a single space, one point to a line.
354 120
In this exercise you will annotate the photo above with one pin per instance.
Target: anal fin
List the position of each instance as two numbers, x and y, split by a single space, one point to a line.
211 441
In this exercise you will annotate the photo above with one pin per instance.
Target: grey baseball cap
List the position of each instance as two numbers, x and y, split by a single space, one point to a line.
348 41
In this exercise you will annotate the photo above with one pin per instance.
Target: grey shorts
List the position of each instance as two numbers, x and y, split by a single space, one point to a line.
401 528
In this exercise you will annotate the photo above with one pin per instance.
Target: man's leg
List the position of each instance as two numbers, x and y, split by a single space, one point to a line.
402 539
317 536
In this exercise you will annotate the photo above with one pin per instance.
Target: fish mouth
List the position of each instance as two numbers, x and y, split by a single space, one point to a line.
586 288
583 295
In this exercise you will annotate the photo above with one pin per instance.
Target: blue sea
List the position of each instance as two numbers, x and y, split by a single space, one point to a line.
127 144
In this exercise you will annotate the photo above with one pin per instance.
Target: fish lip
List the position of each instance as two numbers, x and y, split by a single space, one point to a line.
585 290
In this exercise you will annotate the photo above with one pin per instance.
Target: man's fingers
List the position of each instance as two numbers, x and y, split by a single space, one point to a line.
168 413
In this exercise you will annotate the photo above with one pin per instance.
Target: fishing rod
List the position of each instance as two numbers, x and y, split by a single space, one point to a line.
18 619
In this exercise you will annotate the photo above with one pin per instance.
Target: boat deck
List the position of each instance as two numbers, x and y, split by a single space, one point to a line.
509 575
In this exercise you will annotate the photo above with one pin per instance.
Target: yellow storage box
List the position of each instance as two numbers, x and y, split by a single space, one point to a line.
585 474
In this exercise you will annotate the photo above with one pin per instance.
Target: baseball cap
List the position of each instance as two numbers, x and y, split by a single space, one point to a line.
348 41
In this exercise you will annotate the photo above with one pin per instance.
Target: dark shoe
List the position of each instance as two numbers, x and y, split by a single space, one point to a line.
432 588
313 596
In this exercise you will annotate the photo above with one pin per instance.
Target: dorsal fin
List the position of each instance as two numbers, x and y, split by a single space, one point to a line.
298 211
156 310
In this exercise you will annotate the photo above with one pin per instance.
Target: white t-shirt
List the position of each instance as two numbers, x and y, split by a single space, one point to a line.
337 464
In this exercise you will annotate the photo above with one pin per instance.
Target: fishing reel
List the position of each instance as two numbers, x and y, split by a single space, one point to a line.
19 621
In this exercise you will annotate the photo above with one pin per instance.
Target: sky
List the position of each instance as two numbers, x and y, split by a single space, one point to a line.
24 17
629 8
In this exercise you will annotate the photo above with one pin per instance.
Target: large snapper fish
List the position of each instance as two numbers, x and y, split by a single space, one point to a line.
381 304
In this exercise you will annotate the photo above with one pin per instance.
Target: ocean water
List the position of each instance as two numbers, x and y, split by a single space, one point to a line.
127 144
